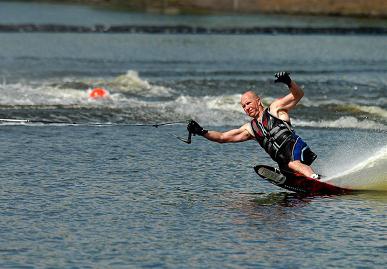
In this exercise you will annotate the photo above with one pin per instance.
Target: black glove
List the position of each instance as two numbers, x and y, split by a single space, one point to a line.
194 128
283 77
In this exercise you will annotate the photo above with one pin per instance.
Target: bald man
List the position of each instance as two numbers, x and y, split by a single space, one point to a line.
271 128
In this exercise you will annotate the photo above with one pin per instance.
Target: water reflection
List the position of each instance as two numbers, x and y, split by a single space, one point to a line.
265 207
283 199
374 196
286 206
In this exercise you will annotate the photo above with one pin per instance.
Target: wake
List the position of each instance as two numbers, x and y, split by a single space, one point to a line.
370 174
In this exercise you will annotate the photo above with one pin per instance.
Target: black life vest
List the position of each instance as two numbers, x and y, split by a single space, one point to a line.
272 133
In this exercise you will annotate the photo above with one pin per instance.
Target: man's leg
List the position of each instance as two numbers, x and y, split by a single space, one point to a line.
301 168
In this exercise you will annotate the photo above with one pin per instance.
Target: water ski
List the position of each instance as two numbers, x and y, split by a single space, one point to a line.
295 182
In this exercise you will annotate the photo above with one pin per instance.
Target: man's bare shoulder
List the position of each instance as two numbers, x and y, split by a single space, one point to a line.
247 127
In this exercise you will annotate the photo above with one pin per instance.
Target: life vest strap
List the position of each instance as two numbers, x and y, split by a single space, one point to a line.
275 139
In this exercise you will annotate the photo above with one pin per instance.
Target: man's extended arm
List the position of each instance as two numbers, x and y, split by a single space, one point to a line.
236 135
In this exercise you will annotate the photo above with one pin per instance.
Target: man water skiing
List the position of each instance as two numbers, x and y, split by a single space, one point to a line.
271 128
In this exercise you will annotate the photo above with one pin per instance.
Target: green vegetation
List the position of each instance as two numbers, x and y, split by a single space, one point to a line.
358 8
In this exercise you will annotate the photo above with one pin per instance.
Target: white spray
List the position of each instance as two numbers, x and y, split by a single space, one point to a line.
368 174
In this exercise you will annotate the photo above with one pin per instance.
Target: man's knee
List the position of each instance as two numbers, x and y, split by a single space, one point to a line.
295 164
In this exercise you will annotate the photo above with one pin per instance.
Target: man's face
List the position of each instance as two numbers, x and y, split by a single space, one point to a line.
251 104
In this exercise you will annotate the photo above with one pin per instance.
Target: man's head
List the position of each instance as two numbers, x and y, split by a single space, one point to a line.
251 104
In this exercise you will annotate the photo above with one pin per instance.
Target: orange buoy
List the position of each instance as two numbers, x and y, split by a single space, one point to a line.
98 93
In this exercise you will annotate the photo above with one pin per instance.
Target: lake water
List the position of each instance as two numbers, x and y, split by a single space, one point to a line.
113 192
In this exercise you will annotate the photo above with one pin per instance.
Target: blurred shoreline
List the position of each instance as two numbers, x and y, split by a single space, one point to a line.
353 8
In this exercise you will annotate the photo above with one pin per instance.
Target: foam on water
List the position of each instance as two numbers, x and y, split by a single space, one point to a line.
132 83
342 105
211 110
368 174
75 91
308 102
20 94
342 122
132 93
374 110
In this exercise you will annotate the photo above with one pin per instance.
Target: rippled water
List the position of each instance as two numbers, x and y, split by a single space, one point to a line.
136 197
118 195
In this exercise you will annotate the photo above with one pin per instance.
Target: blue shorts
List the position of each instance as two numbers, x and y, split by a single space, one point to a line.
299 148
296 150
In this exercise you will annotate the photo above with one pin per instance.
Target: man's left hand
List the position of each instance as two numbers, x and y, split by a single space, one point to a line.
283 77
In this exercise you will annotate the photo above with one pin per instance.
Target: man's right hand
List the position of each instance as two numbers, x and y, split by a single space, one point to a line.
194 128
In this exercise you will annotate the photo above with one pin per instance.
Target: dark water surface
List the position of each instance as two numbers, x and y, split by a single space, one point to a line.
125 196
129 197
